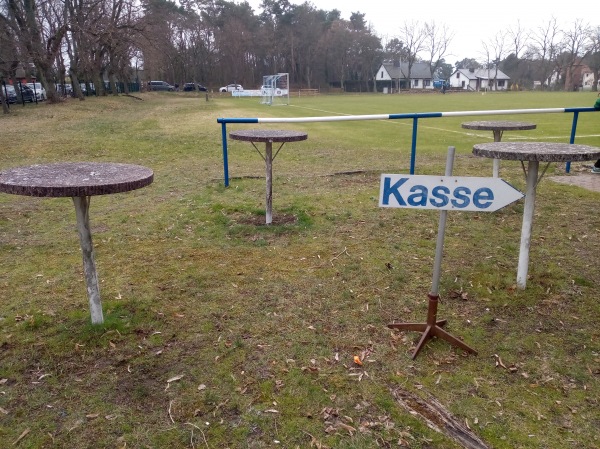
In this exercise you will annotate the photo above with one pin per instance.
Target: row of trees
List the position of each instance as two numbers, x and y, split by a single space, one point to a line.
216 42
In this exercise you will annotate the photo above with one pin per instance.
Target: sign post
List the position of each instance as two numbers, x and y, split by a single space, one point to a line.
443 193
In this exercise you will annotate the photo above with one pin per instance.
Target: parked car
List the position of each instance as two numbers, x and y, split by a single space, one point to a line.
231 88
38 90
64 89
188 87
10 94
26 93
84 89
160 85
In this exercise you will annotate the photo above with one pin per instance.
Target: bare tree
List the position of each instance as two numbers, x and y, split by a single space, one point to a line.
414 37
594 56
576 44
437 41
494 50
546 47
517 37
37 42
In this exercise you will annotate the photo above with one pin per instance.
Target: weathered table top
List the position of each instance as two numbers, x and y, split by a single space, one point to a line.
268 135
499 125
74 179
537 151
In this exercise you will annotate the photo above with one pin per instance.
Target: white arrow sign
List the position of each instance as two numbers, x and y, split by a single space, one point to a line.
446 192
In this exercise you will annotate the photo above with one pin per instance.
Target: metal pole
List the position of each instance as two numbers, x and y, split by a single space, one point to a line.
82 209
496 164
439 248
413 149
532 174
225 162
269 176
572 140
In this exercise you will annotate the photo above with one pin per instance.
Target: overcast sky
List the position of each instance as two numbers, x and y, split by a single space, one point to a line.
470 22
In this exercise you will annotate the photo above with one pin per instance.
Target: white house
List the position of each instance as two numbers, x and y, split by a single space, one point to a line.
479 79
393 76
588 81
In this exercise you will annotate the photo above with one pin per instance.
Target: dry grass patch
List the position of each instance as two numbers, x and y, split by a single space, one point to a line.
222 332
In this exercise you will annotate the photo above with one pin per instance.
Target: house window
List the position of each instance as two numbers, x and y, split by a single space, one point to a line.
427 83
416 83
382 74
500 83
457 75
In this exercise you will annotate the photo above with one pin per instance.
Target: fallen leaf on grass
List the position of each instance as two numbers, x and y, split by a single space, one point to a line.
173 379
499 361
350 429
316 443
23 435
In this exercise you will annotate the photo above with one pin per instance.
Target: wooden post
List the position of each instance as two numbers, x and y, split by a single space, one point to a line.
82 206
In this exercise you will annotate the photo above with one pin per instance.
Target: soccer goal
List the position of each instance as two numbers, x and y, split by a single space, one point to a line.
275 89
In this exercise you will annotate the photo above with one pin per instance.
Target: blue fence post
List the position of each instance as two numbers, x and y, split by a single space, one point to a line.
225 161
413 148
572 140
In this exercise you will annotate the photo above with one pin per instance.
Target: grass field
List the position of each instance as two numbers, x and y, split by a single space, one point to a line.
221 332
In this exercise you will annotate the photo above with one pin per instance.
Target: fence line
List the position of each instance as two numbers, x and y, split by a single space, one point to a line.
414 116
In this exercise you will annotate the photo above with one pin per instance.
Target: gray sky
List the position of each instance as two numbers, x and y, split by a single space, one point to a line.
471 23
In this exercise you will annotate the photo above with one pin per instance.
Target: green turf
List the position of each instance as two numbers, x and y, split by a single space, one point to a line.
222 332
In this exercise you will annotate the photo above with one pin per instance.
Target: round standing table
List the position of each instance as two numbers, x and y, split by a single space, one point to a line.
498 127
533 153
78 180
268 136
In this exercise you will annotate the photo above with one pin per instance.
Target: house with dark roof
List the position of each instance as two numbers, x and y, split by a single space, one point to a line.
479 79
393 76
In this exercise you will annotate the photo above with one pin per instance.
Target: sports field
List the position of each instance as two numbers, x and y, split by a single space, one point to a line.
222 332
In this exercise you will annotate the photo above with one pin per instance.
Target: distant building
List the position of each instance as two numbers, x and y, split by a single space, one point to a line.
479 79
588 79
393 76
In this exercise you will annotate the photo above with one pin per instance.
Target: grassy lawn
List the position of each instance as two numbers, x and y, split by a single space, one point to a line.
221 332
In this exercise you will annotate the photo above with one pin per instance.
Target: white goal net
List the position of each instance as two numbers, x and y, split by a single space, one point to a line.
275 89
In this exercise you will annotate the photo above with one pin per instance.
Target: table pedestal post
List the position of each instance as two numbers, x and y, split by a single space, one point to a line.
496 166
532 175
82 207
269 175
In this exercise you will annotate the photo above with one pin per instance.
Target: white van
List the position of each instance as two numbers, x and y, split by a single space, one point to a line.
40 92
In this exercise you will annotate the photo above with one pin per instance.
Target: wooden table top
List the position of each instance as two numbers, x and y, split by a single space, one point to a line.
268 135
499 125
74 179
537 151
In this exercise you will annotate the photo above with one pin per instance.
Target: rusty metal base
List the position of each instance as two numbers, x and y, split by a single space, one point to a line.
432 328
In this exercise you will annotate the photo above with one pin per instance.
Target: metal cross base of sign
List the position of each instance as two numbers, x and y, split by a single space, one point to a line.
443 193
431 328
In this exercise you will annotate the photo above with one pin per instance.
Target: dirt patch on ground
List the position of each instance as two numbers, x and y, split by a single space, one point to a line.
587 180
259 220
